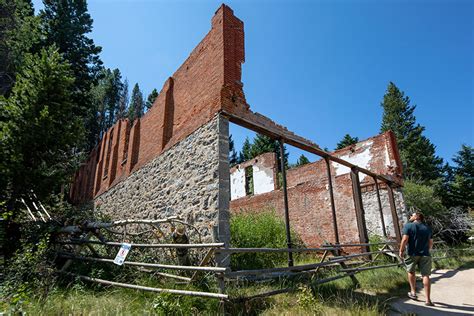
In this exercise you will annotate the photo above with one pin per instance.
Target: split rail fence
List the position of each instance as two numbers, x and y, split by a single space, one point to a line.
87 243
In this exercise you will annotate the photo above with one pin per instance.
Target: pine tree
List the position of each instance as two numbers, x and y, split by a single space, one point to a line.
151 98
40 131
115 87
417 152
303 160
136 104
123 101
347 141
245 154
462 187
264 144
19 35
233 159
66 24
106 98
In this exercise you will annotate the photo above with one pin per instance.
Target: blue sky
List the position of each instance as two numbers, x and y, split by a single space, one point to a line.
319 68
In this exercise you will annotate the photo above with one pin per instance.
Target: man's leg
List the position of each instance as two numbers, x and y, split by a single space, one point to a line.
425 267
427 286
410 265
412 281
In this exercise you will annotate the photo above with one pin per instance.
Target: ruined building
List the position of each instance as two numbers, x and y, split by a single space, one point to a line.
174 160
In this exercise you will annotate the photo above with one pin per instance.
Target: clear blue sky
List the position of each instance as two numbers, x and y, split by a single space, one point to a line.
318 67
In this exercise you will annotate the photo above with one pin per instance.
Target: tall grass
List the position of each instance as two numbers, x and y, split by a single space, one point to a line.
259 230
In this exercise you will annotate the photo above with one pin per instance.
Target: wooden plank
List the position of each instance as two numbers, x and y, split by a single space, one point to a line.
148 265
147 288
203 262
282 269
118 244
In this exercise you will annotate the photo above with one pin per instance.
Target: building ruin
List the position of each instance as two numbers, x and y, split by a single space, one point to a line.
174 159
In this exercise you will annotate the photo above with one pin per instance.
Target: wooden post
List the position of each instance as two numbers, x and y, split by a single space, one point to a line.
393 208
331 196
359 209
285 198
384 231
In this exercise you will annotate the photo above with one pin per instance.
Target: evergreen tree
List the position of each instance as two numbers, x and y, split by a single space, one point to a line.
347 141
264 144
417 152
106 99
303 160
123 101
39 130
462 187
66 24
151 98
136 104
19 35
233 159
115 87
245 154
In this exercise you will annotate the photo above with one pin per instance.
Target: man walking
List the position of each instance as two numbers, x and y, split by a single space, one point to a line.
419 238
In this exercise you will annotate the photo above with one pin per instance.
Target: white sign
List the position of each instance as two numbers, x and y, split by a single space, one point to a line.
122 254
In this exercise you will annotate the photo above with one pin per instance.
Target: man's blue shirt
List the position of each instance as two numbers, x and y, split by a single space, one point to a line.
419 236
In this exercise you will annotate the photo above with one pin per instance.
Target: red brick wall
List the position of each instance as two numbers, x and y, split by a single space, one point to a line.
308 194
209 79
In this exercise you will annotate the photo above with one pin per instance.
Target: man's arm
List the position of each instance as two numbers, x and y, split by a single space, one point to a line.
403 245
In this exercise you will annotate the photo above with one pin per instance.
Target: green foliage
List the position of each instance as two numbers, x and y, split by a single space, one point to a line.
423 198
123 101
420 163
66 24
347 141
19 34
245 154
261 144
136 104
29 272
462 187
233 158
451 224
39 130
150 99
106 96
267 230
302 161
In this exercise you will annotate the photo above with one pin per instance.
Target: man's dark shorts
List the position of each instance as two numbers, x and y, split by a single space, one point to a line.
424 262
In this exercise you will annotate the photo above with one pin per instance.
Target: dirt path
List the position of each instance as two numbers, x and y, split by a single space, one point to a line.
452 291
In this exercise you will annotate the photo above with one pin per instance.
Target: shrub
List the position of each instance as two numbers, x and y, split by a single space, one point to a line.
451 225
259 230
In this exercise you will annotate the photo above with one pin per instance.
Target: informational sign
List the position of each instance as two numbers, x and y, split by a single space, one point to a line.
122 254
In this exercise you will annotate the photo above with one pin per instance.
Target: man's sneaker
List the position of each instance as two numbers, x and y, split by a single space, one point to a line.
412 295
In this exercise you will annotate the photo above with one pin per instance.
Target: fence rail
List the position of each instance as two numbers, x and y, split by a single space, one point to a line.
327 256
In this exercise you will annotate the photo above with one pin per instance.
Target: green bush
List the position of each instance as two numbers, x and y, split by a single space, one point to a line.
451 225
422 197
259 230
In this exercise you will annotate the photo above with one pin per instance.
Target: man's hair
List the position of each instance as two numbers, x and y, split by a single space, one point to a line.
420 216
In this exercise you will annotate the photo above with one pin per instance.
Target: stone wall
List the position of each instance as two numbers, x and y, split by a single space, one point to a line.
372 213
182 181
